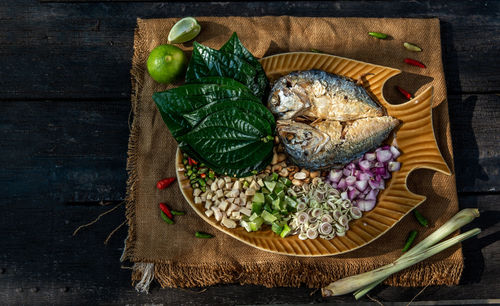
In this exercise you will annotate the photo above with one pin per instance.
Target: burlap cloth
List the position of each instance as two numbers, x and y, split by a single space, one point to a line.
180 260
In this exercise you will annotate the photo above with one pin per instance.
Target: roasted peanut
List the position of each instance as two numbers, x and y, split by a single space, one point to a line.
314 174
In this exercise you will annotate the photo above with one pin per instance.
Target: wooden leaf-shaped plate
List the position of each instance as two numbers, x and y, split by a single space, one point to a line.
415 138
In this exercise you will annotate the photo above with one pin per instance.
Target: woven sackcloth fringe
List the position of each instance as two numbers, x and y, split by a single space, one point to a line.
172 256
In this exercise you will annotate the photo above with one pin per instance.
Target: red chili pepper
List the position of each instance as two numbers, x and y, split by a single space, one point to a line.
413 62
166 210
192 161
162 184
203 175
404 93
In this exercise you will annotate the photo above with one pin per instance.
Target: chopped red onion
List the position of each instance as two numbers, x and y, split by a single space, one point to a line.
361 180
361 185
384 156
370 156
395 152
366 205
350 180
394 166
335 175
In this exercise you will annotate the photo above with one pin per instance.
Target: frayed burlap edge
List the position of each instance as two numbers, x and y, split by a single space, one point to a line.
311 275
133 177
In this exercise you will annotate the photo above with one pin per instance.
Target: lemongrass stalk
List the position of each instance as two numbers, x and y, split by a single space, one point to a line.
462 218
352 283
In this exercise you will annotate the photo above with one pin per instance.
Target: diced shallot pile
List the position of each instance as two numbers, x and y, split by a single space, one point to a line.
361 180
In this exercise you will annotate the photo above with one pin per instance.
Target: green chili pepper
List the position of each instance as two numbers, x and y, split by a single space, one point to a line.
189 172
202 235
184 161
202 165
202 182
409 241
378 35
316 51
412 47
420 218
177 213
211 174
202 170
203 188
254 172
166 218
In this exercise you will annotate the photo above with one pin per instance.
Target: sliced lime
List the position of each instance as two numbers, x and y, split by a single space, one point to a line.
184 30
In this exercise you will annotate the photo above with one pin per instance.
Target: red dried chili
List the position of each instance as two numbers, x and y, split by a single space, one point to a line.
164 183
404 93
413 62
192 161
166 210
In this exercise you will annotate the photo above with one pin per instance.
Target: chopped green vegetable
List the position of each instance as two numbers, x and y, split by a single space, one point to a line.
268 217
166 218
274 176
256 223
286 181
270 185
412 47
177 213
420 218
275 227
256 208
409 241
258 197
378 35
286 230
203 235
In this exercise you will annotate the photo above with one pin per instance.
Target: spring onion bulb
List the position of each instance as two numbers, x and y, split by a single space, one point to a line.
426 248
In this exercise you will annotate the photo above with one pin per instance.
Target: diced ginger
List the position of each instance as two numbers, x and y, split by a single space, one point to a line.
245 211
197 200
223 205
209 213
254 186
220 183
197 192
235 214
217 213
237 185
219 193
250 192
208 204
228 223
213 187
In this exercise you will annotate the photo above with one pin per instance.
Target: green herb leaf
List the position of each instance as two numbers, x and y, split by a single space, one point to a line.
209 62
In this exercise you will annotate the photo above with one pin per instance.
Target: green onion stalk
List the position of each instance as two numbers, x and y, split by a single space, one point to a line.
364 282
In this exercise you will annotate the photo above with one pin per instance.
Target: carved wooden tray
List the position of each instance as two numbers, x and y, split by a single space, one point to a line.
415 139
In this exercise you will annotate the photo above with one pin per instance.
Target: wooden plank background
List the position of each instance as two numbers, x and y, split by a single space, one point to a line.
64 100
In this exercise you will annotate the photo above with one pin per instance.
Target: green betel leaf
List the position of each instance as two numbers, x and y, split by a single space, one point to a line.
223 81
244 104
209 62
231 139
175 102
234 46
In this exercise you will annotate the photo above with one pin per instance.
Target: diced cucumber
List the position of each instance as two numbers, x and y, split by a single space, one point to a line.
268 217
270 185
286 230
275 227
258 197
276 204
256 208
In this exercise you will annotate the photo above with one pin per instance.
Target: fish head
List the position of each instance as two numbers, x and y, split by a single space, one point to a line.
289 98
300 141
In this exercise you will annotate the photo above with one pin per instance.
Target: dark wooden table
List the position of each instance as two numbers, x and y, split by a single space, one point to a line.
65 89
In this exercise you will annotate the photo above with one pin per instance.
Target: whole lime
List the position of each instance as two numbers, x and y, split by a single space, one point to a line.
166 63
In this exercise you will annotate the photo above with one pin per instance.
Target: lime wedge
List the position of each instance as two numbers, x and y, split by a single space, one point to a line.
184 30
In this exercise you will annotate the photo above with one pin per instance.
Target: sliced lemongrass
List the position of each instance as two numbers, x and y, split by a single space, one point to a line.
353 283
462 218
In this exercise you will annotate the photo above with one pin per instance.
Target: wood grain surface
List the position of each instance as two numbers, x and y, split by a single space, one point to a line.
64 99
